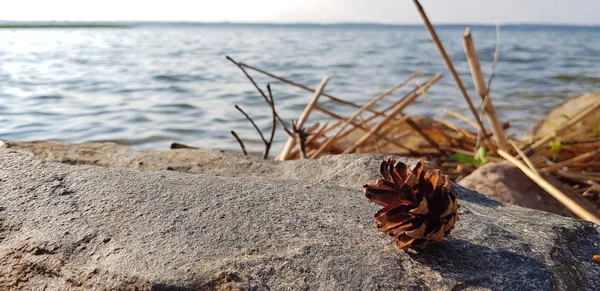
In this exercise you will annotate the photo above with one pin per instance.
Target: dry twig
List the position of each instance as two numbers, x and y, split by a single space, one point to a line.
449 64
563 126
240 142
307 110
257 88
283 80
301 136
253 124
560 196
582 157
402 103
487 106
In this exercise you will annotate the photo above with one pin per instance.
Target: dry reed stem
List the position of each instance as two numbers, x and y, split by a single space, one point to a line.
524 157
374 130
383 137
361 110
459 130
488 107
560 196
496 57
580 177
580 158
406 100
581 142
595 186
410 96
593 174
332 127
354 125
461 117
286 81
582 114
438 43
418 129
448 138
307 110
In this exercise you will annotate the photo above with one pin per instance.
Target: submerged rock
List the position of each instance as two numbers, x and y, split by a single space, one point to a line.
265 226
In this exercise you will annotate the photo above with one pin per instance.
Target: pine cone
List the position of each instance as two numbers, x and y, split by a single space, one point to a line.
419 206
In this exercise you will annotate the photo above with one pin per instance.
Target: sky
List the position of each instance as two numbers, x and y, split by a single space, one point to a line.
583 12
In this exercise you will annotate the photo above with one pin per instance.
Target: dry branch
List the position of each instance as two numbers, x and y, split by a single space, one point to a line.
283 80
307 110
354 125
176 146
301 135
240 142
374 131
449 64
402 103
581 177
560 196
488 108
429 140
273 125
564 126
253 124
582 157
524 157
259 90
461 117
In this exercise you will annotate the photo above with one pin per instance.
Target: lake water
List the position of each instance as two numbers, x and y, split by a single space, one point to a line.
150 85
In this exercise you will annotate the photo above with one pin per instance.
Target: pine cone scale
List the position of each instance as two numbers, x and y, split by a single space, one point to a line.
423 208
383 194
419 205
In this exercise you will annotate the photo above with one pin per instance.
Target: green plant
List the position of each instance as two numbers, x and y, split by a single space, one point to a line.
478 160
555 146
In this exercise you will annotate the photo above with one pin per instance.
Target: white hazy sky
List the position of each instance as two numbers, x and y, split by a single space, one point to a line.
322 11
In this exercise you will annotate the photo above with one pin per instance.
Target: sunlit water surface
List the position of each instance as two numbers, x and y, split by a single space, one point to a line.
148 86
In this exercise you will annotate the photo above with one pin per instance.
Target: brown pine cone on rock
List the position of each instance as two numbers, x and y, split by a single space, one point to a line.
419 205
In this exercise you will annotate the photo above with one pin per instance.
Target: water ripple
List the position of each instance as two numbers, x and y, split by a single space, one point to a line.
127 86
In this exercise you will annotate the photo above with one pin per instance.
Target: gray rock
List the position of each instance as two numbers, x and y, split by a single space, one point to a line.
84 227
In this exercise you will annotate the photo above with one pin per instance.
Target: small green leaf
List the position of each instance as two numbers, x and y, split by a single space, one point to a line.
480 157
478 160
462 158
566 116
556 146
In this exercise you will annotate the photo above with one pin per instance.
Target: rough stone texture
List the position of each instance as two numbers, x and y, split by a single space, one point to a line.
84 227
504 182
210 162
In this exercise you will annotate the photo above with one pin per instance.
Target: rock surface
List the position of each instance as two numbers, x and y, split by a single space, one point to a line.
267 226
586 129
504 182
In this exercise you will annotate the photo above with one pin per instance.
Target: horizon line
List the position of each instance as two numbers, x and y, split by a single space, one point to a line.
300 23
